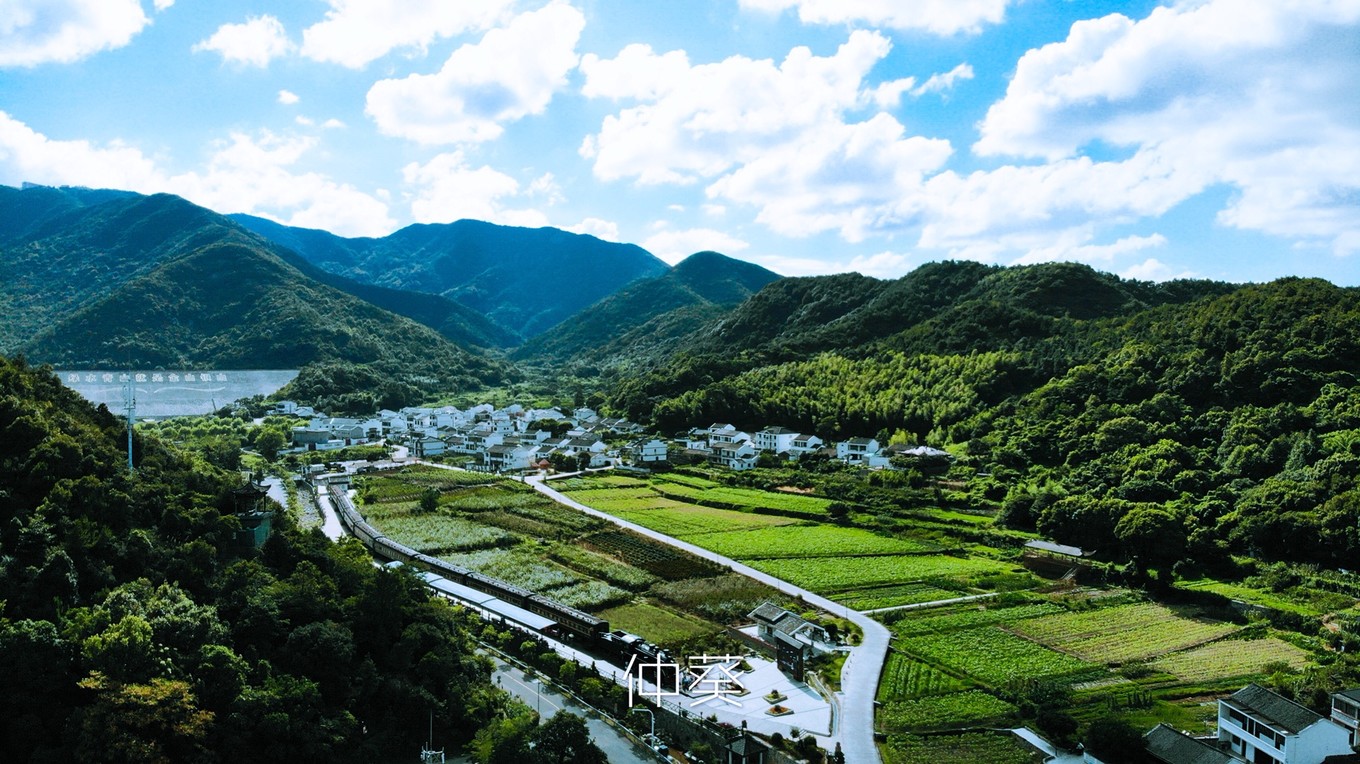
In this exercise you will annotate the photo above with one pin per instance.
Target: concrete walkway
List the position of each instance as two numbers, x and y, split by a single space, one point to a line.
863 666
933 603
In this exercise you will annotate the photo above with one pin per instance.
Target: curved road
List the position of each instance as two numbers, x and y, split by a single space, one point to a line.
863 666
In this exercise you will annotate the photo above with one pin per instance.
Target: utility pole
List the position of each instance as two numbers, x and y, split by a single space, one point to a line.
130 409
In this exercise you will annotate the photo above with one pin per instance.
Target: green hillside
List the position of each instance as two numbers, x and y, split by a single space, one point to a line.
525 280
1228 414
158 282
660 310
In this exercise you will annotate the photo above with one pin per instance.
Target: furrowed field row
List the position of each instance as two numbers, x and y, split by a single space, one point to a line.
995 657
1231 658
905 678
1122 633
971 617
960 709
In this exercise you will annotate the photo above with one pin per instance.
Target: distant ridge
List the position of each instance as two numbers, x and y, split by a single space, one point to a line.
524 280
654 312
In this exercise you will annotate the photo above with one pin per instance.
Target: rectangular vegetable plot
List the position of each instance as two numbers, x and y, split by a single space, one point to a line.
995 657
1122 633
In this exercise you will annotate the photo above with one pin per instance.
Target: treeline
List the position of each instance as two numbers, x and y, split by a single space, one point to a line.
131 629
1182 422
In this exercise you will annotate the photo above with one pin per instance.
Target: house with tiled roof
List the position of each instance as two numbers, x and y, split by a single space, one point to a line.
1263 727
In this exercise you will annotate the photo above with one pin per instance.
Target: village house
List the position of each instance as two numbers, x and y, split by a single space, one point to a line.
647 451
1346 712
1257 725
777 440
856 450
795 638
737 456
804 444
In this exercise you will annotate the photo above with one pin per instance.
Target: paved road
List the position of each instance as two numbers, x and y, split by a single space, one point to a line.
864 665
616 744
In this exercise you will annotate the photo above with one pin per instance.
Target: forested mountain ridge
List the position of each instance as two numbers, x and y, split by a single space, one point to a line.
158 282
659 310
525 280
1211 418
132 628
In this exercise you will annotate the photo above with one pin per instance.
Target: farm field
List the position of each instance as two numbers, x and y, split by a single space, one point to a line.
437 534
690 520
956 710
828 575
995 657
665 626
1231 658
892 595
806 541
970 616
905 678
967 748
1122 633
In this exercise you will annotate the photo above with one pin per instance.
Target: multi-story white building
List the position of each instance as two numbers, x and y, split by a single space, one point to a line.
1261 727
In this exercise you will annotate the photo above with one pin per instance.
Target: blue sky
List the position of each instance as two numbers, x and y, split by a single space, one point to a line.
1216 138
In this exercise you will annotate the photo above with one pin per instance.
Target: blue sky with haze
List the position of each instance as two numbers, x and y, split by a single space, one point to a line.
1217 138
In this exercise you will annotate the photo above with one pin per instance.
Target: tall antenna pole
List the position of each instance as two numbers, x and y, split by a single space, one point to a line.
130 407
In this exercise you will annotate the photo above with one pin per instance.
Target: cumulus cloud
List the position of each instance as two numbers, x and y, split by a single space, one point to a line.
884 265
447 188
939 17
1251 94
776 137
35 32
163 4
1153 269
511 73
256 42
674 246
287 97
252 174
605 230
357 32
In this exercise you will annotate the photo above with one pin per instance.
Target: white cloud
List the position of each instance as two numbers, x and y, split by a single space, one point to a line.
605 230
26 155
776 137
674 246
254 43
36 32
163 4
446 188
304 121
884 265
287 97
244 174
940 17
1153 269
357 32
333 124
939 83
1092 253
545 187
511 73
1253 94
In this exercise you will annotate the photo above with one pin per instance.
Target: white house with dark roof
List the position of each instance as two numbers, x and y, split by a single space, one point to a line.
1346 712
775 439
1261 727
805 444
856 450
795 638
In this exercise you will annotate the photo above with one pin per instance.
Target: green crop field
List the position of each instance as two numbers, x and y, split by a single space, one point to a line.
966 748
686 521
994 657
960 709
969 616
589 595
518 567
832 574
808 541
1231 658
905 678
892 595
439 534
1122 633
661 625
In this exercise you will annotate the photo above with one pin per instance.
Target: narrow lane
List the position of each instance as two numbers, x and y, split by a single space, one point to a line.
616 744
863 666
